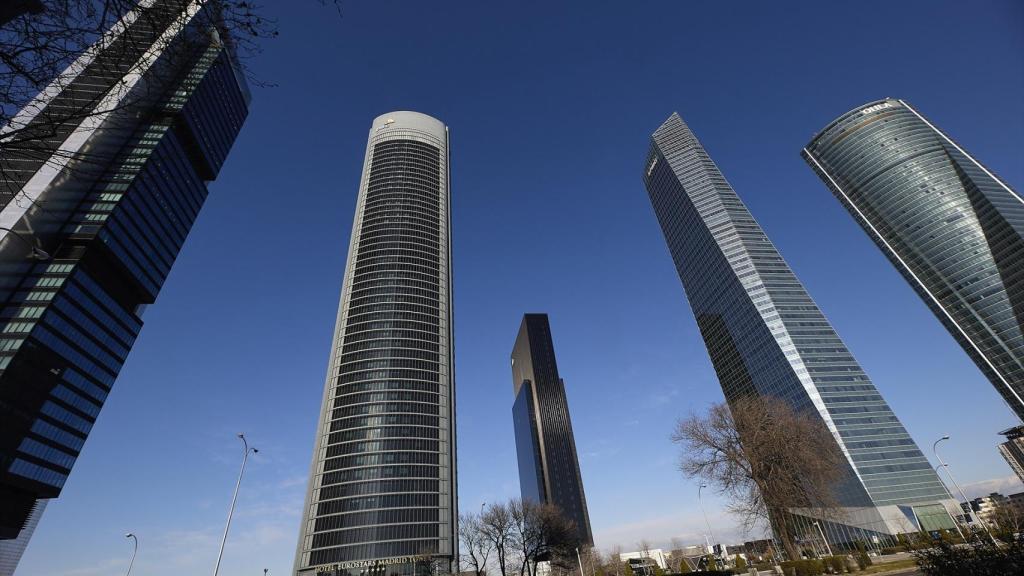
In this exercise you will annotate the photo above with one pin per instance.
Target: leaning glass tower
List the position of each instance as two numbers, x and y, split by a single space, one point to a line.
102 177
949 225
767 337
382 493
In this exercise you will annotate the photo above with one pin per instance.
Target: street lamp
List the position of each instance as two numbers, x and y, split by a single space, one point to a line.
702 511
955 523
37 253
970 510
231 510
135 550
825 540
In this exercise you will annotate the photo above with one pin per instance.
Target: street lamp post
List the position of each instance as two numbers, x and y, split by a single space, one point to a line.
702 511
955 523
135 550
580 560
231 510
970 511
823 539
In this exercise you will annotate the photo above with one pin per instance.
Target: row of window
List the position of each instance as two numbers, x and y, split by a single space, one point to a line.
391 330
363 316
388 363
392 444
393 290
395 353
351 375
384 432
36 472
375 534
400 223
343 462
75 336
386 385
385 420
391 395
405 343
85 385
371 517
373 502
371 552
393 299
62 415
378 487
76 400
48 453
367 409
378 472
58 435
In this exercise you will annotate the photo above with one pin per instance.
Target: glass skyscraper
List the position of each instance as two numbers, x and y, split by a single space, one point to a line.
382 490
767 337
949 225
104 174
549 469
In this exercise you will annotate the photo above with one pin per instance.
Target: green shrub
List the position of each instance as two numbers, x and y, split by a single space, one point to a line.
980 558
812 567
837 564
741 564
863 560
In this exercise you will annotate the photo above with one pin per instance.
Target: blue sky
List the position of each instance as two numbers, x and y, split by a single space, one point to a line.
550 106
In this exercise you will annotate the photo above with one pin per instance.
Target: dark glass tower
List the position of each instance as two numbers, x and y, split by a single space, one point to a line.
767 337
93 212
949 225
549 470
382 491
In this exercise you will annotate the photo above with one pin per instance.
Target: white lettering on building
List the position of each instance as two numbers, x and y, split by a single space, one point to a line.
876 107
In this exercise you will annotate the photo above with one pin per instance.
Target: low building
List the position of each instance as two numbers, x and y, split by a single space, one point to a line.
985 507
656 554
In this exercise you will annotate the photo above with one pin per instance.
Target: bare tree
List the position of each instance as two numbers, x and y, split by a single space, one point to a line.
542 532
615 563
497 526
476 546
766 458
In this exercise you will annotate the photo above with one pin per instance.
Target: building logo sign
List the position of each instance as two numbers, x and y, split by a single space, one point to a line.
379 563
653 164
877 107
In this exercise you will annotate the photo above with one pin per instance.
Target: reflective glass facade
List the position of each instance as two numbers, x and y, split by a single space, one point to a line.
949 225
382 493
113 229
1013 450
549 468
766 336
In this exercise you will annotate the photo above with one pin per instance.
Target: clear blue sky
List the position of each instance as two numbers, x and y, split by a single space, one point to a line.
550 107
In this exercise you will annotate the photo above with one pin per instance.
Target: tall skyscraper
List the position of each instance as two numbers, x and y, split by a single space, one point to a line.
103 176
382 490
949 225
1013 449
766 337
549 469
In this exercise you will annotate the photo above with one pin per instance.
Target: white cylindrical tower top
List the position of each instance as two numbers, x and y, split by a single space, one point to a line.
411 121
